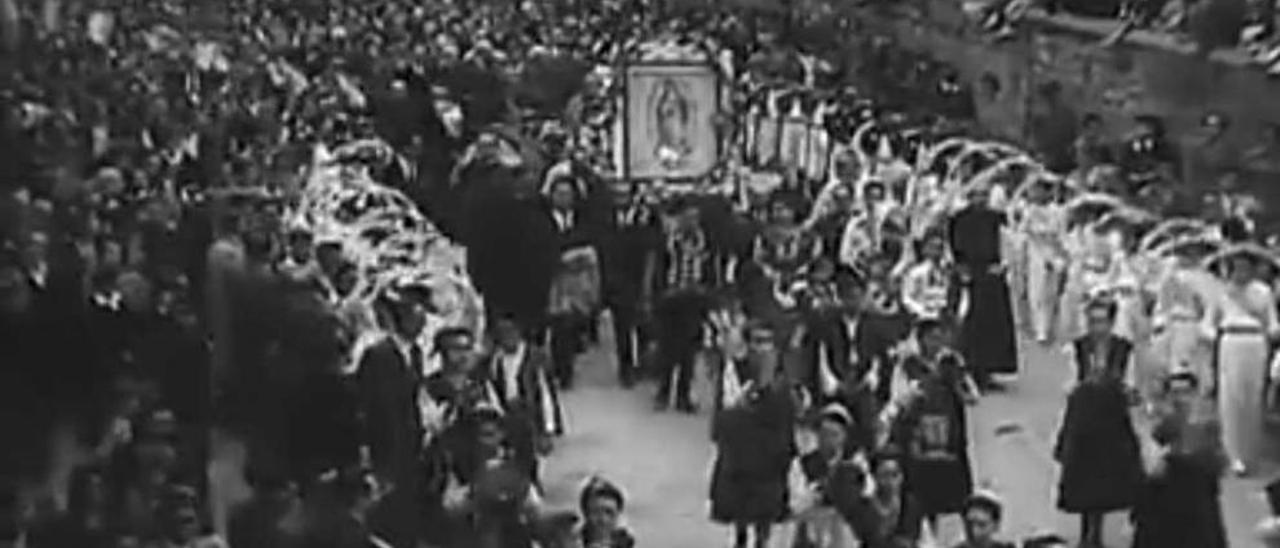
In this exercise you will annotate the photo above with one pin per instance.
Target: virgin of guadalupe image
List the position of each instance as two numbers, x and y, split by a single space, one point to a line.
672 115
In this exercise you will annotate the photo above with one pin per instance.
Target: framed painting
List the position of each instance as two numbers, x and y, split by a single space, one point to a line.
670 128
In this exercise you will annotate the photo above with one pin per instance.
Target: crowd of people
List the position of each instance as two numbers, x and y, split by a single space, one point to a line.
1208 25
174 284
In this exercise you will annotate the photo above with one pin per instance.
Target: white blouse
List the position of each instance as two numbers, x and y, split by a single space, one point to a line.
1251 306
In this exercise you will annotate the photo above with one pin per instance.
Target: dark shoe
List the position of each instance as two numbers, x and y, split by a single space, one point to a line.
687 407
627 380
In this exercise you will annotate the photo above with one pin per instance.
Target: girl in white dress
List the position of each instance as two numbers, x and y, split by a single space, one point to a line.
1243 322
1042 226
1088 273
1180 309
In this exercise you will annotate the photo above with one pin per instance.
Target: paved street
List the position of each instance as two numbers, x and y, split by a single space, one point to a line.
663 460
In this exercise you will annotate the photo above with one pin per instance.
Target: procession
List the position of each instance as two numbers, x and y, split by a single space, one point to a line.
325 274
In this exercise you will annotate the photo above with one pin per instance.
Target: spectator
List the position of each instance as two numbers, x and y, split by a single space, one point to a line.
1211 156
1093 147
1053 128
1146 156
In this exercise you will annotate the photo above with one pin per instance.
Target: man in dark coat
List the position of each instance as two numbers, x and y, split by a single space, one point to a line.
629 236
389 378
512 249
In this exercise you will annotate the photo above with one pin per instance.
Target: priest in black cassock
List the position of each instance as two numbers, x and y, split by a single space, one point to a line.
987 336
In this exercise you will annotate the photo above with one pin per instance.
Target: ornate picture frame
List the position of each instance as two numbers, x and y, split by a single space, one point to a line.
671 112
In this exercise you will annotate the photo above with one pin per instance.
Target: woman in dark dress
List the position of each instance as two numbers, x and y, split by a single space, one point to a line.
931 430
1097 447
1179 503
754 436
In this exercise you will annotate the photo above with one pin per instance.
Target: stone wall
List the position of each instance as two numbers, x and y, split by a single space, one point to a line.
1148 74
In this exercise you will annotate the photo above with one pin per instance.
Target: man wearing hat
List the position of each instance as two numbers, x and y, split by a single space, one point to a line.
1147 157
1210 157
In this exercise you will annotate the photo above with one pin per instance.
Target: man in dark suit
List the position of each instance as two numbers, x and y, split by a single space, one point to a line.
682 279
630 235
569 315
390 376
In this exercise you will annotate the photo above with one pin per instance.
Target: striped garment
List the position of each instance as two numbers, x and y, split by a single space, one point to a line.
687 261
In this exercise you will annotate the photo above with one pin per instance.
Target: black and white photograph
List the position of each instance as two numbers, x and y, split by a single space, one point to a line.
639 273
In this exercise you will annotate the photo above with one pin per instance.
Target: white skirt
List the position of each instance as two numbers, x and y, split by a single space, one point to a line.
1242 373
